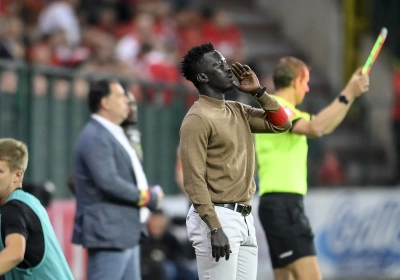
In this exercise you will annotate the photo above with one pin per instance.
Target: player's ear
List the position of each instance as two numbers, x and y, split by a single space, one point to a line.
296 82
19 175
104 102
202 78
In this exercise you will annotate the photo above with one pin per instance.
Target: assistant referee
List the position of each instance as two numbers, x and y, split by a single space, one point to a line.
282 169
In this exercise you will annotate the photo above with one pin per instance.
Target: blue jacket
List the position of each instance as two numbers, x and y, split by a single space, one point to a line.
107 215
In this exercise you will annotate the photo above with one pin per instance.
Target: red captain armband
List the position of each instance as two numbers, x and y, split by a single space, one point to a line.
279 117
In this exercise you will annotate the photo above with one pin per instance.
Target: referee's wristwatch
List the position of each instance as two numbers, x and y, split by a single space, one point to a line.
343 99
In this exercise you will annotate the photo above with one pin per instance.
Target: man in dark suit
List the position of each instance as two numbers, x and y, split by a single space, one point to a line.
111 187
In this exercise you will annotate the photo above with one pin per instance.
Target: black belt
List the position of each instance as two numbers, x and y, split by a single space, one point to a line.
245 210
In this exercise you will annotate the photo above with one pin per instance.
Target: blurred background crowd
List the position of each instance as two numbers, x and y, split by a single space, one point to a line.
135 38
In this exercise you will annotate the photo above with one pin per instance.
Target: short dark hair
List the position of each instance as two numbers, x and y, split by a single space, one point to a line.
288 69
98 90
192 59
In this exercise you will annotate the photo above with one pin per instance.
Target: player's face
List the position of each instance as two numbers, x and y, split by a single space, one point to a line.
218 72
117 103
301 86
8 178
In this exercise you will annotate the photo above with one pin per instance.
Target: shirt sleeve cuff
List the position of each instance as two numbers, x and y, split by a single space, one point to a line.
268 103
213 222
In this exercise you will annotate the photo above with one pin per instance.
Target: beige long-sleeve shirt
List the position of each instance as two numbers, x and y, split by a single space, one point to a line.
217 151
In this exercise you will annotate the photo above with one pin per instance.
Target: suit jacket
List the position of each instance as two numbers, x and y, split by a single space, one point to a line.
107 215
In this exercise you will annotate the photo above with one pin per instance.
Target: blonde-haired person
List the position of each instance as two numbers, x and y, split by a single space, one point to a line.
29 247
282 168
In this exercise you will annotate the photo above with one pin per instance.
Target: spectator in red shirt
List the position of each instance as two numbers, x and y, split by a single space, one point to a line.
331 172
225 36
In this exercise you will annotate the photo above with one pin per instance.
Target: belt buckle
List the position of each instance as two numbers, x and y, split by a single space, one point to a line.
246 210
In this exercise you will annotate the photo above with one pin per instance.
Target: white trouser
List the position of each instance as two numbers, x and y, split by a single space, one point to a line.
242 263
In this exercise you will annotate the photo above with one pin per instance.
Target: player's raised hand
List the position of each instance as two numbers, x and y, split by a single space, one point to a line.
248 81
357 85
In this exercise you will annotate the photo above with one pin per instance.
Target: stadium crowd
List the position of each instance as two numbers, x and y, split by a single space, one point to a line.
134 38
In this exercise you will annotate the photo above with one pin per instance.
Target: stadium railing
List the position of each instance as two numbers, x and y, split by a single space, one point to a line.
46 107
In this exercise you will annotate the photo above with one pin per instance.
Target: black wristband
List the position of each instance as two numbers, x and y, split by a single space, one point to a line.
260 92
343 99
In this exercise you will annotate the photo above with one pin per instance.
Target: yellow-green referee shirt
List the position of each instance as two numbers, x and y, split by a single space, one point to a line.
282 158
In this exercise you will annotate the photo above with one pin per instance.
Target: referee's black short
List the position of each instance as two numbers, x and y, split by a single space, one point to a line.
286 227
